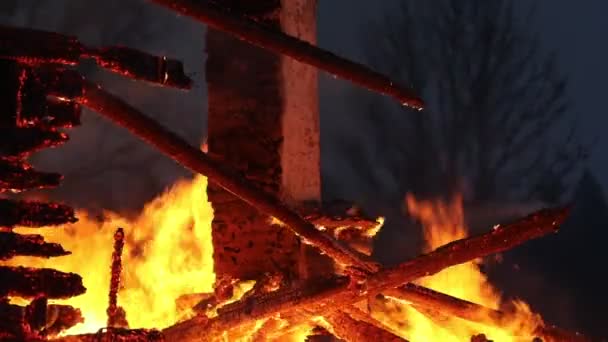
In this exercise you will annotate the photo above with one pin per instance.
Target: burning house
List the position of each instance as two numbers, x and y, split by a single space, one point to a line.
255 255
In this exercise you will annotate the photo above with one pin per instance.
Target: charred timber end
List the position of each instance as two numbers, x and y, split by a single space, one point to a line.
13 244
33 282
34 214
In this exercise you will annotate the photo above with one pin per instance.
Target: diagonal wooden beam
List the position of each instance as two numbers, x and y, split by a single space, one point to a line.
216 17
167 142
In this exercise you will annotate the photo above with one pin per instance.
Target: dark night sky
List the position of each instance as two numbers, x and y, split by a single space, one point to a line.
576 31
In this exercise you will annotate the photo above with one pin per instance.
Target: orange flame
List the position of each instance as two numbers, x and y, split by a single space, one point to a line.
444 223
168 253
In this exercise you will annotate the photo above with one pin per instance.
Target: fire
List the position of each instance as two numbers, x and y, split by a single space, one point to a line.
168 253
444 223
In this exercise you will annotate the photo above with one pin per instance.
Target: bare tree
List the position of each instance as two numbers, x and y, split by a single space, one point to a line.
497 104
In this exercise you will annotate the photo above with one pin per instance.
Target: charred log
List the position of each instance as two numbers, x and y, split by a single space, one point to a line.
30 46
17 176
271 39
114 318
13 244
352 330
13 326
36 320
34 214
117 335
327 296
36 47
20 142
60 318
178 149
28 282
141 66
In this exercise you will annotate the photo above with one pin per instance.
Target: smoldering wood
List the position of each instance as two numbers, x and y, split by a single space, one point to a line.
13 244
34 214
13 325
17 142
142 66
37 47
113 312
194 159
26 103
117 335
352 330
18 176
60 318
325 296
29 282
37 319
30 46
360 315
209 13
57 114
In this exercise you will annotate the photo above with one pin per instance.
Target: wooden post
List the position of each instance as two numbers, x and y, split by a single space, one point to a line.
264 121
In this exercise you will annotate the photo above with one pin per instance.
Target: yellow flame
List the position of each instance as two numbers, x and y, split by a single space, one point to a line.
444 223
168 253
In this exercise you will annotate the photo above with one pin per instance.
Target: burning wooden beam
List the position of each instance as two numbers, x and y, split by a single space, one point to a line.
194 159
114 316
352 330
19 142
13 244
324 297
31 47
456 307
117 335
258 34
32 282
34 214
17 176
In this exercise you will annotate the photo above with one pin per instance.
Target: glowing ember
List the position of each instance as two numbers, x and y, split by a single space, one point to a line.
444 223
168 253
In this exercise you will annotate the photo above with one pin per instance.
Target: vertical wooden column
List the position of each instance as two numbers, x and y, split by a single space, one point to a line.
301 153
263 120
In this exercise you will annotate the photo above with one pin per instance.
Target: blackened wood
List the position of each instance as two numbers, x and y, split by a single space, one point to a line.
31 46
18 142
194 159
117 335
13 244
116 268
17 176
60 318
142 66
273 40
352 330
34 214
13 326
33 282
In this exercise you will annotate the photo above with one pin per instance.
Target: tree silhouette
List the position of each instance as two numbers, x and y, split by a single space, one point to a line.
495 124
